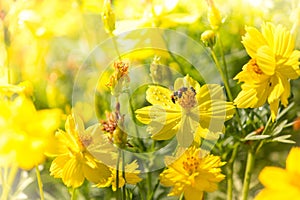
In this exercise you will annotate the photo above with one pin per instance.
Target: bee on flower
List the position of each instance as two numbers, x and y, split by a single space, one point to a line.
188 113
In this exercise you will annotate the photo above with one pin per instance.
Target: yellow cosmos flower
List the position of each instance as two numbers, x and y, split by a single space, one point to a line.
273 63
190 112
192 173
131 176
282 183
74 162
26 133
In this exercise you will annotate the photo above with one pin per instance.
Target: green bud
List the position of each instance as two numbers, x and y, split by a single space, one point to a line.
208 37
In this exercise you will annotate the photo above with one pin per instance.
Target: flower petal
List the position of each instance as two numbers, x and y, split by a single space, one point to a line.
253 40
292 161
266 60
72 175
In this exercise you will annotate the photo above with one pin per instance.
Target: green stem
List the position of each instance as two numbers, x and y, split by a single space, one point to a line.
227 88
248 173
181 196
7 184
149 183
230 171
40 183
223 58
117 174
116 46
73 194
123 175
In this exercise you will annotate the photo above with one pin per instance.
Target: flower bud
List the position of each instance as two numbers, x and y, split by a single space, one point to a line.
208 37
213 15
108 17
119 137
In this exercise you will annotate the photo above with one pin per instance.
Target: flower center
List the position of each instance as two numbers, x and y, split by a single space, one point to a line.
186 97
255 67
191 164
85 140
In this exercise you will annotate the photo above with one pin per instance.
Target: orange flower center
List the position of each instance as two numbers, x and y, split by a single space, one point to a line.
253 65
191 164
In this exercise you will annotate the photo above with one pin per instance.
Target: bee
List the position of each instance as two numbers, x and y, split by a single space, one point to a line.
178 94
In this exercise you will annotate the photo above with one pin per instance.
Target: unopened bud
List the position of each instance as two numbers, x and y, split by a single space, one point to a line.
119 137
108 17
208 37
213 15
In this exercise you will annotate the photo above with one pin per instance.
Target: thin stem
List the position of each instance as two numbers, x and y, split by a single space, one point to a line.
40 183
73 194
248 173
116 46
226 84
153 191
7 185
149 183
117 174
230 171
123 174
223 57
181 196
137 134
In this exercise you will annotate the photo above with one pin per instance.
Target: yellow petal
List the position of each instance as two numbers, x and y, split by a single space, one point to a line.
57 166
252 41
188 82
274 109
99 174
274 178
157 95
266 60
277 88
292 161
72 175
191 193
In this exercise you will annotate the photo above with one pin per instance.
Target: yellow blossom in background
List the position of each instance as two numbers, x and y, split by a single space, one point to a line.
25 133
73 162
273 63
188 113
131 176
192 173
282 183
213 15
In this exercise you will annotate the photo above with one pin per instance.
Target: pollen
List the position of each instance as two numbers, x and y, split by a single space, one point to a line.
191 164
187 99
85 140
255 67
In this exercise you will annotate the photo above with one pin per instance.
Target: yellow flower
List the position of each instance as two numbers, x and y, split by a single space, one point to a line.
273 63
131 176
190 112
213 15
192 173
74 162
25 132
282 183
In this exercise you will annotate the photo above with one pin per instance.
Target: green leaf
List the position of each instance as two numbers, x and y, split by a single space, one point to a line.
284 139
279 128
254 136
